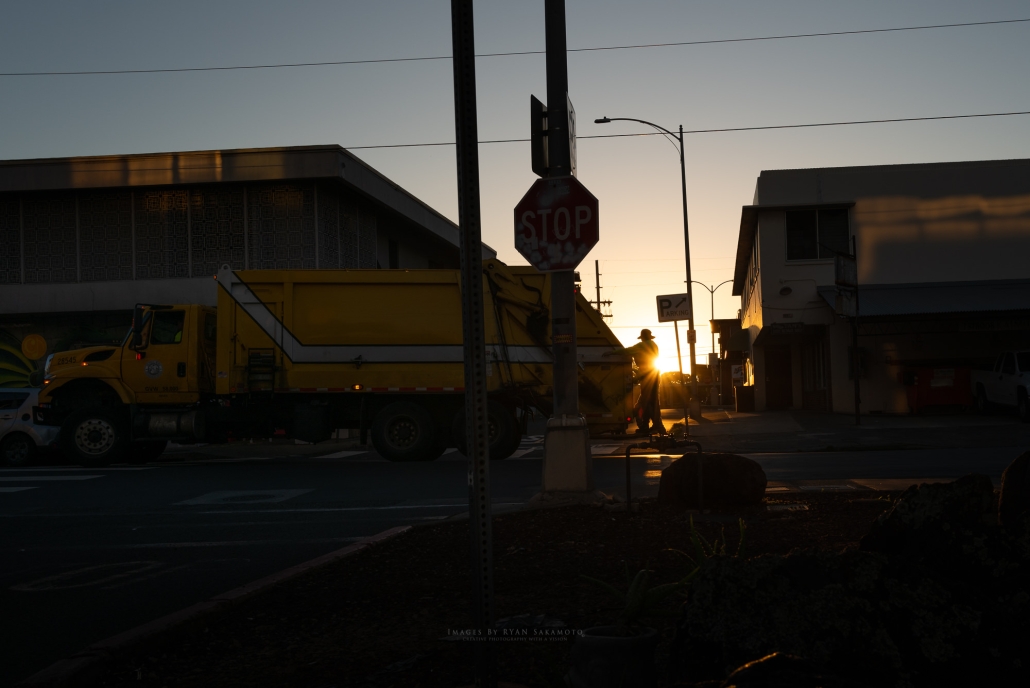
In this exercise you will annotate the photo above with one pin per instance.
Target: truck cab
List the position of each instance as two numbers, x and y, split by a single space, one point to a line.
104 397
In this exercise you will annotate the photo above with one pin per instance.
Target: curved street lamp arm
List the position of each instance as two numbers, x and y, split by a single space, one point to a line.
675 139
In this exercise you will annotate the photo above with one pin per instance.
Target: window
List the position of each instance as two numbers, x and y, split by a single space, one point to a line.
817 234
210 327
393 250
167 327
1008 366
12 401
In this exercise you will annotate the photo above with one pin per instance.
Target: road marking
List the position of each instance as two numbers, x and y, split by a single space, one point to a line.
36 478
249 458
519 453
463 505
341 454
16 489
94 575
245 497
78 468
234 543
604 448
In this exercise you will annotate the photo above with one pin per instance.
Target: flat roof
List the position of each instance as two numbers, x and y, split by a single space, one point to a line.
225 166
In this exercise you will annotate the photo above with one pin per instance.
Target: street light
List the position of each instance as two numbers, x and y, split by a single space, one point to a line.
712 291
686 234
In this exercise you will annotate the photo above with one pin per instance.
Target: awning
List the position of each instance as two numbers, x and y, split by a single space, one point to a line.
880 300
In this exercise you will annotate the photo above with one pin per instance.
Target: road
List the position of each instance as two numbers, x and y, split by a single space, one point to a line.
87 553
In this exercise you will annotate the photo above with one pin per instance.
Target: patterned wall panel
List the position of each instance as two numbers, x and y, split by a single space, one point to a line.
10 240
328 227
162 246
50 251
105 236
348 232
281 225
216 229
367 248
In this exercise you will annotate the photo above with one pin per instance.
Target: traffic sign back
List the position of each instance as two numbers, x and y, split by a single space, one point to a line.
556 224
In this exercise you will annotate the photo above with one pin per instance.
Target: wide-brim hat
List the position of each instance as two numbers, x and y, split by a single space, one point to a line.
645 334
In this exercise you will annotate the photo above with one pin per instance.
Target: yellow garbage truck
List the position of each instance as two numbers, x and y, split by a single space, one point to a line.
307 352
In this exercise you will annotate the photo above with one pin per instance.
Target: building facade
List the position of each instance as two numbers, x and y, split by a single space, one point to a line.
82 240
942 256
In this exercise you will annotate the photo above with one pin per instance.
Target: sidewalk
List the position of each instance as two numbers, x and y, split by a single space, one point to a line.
786 431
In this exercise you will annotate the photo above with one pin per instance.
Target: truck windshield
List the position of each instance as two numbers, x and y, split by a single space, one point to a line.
1023 357
167 327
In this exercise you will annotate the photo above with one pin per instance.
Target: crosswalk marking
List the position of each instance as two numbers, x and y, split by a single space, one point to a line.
16 489
39 478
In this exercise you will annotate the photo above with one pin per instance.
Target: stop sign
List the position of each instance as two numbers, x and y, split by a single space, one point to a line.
556 224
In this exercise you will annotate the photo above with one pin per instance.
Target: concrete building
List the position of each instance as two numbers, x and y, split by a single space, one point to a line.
84 239
943 267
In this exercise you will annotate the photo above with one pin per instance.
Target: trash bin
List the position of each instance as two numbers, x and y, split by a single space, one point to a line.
744 398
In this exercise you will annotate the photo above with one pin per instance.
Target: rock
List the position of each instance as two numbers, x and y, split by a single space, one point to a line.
1014 502
727 480
929 516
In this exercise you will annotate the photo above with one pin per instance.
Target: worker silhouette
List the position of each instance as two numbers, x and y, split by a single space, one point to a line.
649 378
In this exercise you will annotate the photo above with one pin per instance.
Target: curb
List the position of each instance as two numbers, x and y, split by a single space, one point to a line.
86 665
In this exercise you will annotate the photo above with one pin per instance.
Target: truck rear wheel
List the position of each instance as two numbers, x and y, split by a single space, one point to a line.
505 434
404 431
94 437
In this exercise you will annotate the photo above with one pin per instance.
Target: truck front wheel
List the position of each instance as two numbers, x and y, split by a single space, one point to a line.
94 437
404 431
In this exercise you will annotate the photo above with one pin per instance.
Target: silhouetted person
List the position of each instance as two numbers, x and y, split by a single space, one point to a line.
649 378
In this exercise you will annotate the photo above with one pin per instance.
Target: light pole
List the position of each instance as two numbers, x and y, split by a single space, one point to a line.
691 334
712 291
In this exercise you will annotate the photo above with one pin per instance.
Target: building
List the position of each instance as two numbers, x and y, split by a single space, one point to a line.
942 257
84 239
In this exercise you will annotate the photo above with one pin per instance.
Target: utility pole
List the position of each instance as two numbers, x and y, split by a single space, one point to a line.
568 466
597 284
477 432
856 358
691 333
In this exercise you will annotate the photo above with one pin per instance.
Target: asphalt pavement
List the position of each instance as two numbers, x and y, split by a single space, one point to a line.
87 553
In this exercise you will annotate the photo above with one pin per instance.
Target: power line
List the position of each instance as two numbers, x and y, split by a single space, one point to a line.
428 58
717 131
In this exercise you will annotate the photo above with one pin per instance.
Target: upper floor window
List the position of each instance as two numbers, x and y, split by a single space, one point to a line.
814 234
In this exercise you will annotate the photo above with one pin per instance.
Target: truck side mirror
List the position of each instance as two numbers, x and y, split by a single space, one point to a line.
137 328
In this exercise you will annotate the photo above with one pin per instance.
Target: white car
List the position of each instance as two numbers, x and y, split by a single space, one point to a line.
1007 383
20 438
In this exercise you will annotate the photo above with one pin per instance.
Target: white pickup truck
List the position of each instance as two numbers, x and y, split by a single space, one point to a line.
1006 384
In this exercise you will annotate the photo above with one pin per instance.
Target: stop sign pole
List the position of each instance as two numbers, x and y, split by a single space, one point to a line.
567 461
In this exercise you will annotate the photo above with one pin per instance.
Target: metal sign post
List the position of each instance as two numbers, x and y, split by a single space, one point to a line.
473 335
673 308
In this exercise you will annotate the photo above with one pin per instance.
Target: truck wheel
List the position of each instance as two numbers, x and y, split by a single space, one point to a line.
147 450
505 434
982 405
404 431
17 450
94 437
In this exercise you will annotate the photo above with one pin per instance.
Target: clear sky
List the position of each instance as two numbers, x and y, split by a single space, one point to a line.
887 75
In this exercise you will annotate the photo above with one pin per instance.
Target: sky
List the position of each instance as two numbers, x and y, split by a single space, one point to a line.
636 179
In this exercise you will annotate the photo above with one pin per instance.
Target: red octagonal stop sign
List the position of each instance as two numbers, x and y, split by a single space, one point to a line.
556 224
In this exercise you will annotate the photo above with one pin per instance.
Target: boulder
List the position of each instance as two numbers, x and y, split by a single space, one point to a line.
928 517
726 479
1014 502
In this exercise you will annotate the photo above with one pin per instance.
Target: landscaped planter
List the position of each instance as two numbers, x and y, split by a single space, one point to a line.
607 657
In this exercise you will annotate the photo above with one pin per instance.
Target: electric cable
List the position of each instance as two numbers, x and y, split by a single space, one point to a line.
429 58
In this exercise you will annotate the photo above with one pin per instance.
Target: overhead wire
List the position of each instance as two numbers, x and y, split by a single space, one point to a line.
716 131
430 58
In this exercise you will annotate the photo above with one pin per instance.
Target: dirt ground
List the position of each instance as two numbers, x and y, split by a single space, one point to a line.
383 617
